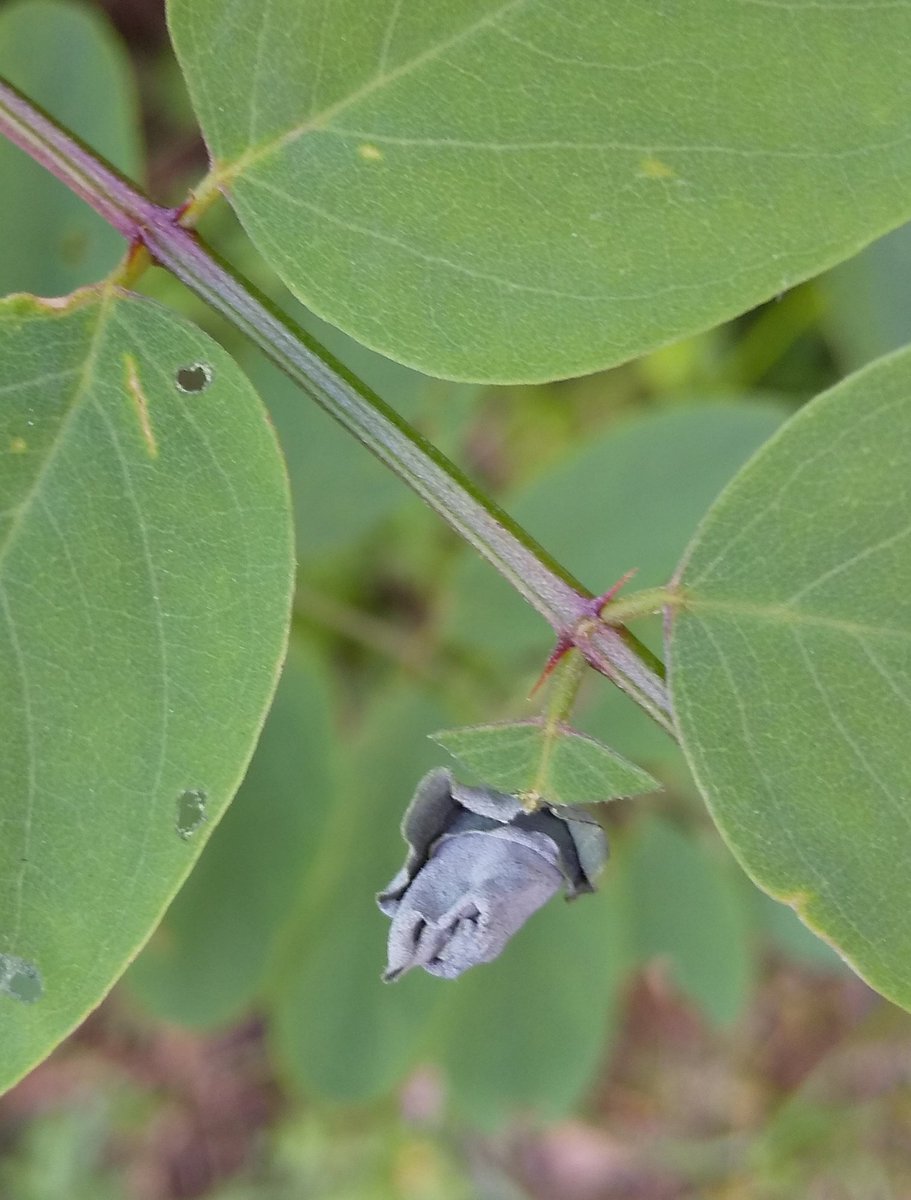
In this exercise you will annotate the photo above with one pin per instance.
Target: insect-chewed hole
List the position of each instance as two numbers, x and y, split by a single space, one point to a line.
193 378
19 979
191 812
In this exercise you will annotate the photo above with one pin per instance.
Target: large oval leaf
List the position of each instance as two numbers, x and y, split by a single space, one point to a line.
145 575
791 668
527 189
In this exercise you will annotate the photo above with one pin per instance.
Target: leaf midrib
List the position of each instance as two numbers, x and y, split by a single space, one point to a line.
780 614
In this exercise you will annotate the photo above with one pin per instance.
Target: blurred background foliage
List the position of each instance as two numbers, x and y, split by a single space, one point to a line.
678 1034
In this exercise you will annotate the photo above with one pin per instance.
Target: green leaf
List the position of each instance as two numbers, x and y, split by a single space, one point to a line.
530 189
791 668
545 760
689 909
145 576
208 960
66 58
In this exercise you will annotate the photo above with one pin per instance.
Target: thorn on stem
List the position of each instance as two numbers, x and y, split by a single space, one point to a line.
600 602
562 648
594 608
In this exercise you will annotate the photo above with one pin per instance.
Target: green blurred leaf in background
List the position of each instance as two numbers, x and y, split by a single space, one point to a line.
689 909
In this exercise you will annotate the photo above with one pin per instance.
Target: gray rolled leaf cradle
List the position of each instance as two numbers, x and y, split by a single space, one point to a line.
478 865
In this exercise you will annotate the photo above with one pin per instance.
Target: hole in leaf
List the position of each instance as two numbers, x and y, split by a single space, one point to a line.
193 378
19 979
191 812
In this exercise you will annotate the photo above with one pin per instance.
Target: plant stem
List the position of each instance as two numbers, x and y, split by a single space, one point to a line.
642 604
564 690
544 583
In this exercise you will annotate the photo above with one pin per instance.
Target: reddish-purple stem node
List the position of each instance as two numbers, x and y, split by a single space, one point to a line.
591 612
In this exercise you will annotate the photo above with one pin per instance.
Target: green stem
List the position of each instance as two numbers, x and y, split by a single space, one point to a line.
564 689
642 604
544 583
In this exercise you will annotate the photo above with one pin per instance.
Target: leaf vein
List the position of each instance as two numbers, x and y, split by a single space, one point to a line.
255 154
844 733
846 565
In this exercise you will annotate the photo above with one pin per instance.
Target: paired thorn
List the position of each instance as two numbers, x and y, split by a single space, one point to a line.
601 602
563 647
593 610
